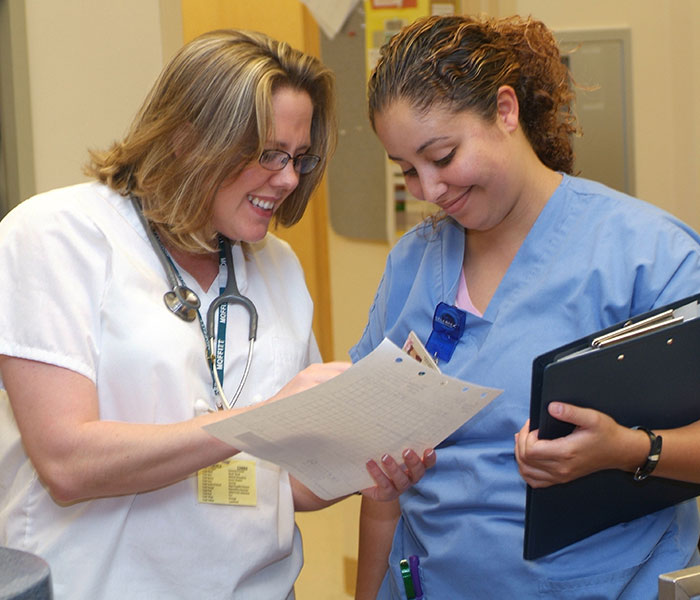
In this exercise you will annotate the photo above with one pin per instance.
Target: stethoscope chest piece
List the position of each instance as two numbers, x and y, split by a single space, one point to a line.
183 302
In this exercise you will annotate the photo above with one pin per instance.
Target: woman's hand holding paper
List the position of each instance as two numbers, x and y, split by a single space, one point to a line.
393 479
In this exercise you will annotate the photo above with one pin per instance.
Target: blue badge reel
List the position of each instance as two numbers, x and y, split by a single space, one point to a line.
448 327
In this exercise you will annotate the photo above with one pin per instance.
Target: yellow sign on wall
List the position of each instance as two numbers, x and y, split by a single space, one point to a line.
384 18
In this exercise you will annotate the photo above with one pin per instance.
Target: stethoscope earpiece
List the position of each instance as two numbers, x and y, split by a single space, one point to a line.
183 302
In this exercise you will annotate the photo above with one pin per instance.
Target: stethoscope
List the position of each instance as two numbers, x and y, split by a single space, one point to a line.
184 302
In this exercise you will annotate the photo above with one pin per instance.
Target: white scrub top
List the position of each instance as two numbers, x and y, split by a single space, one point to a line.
83 289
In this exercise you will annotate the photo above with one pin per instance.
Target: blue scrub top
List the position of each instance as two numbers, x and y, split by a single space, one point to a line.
593 258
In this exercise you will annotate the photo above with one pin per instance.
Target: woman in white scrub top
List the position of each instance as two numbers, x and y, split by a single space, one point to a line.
106 391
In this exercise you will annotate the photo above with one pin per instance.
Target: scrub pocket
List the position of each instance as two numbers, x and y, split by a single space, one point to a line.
596 587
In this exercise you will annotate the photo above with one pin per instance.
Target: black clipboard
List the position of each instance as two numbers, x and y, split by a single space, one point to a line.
651 379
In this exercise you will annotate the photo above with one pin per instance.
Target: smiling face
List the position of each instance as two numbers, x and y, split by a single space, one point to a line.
244 206
458 161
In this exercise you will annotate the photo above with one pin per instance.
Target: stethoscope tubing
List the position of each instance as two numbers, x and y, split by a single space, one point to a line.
184 303
180 300
231 295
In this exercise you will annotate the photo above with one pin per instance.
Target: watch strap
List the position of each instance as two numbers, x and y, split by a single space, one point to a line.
654 454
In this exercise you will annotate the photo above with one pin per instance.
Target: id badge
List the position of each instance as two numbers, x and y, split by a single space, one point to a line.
415 349
230 482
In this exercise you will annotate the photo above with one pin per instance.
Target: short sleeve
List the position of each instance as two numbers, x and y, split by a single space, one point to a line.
55 265
675 253
373 333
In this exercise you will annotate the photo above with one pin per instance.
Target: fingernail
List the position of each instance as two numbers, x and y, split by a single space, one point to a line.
385 458
406 453
430 453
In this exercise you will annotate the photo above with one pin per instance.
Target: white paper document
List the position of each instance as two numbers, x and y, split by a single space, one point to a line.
383 404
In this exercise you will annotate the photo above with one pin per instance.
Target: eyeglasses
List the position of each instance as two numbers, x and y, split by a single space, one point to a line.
276 160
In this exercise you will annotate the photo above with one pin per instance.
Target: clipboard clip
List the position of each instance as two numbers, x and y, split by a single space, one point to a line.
666 318
631 330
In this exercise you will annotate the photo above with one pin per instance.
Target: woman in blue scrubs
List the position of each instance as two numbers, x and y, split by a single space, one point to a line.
476 112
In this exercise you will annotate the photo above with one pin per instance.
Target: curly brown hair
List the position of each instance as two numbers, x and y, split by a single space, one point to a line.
462 61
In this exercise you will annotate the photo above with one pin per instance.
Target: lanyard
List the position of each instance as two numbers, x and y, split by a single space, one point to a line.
220 329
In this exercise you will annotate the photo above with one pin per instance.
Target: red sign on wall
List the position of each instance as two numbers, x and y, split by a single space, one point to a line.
394 3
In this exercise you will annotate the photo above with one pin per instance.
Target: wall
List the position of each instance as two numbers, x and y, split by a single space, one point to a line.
16 152
666 89
87 76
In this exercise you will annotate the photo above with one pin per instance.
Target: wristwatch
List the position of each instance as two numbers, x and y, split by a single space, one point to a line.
654 454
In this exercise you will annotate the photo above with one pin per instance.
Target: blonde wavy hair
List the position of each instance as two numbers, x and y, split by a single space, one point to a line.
206 118
461 62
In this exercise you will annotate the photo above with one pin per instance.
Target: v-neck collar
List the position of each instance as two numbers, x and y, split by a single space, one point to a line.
534 253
